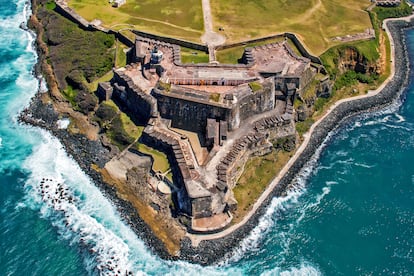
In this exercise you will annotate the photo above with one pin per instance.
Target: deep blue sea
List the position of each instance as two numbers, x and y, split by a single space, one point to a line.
351 211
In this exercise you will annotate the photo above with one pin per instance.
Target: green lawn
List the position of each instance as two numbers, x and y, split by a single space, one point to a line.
179 18
161 163
316 22
193 56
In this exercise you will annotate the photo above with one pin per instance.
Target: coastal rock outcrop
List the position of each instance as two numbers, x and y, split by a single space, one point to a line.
351 59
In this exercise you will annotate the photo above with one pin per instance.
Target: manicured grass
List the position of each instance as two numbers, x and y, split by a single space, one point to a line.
193 56
179 18
315 21
231 55
161 163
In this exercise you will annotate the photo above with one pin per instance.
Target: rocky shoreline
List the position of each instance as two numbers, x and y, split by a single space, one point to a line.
86 152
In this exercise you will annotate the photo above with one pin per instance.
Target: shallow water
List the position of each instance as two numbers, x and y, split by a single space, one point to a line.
351 211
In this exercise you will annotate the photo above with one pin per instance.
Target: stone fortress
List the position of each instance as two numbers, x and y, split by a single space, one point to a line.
235 111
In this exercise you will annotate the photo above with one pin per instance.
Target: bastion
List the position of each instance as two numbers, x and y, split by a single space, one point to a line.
237 111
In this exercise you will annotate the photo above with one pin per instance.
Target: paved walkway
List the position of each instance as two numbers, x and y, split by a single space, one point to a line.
211 38
196 239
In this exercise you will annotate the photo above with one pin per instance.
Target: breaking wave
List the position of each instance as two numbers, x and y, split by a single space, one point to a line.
63 194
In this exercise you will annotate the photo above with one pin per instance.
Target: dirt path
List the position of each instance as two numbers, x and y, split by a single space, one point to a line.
210 38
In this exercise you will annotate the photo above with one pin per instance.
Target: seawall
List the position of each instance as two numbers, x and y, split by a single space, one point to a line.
211 250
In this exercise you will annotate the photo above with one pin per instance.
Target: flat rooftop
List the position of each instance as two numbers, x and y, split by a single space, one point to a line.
278 58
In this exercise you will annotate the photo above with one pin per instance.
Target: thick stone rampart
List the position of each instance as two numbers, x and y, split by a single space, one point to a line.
190 115
301 48
179 169
171 40
257 102
140 105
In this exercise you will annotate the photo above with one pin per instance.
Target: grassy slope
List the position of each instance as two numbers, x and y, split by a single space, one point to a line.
258 173
315 21
180 18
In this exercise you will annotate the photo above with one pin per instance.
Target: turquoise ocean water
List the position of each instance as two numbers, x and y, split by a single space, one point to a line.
351 211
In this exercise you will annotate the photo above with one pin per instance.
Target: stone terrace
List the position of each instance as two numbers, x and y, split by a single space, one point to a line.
275 58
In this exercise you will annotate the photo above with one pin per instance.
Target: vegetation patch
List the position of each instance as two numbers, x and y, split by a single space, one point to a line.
160 160
78 57
193 56
121 58
257 175
303 127
164 86
215 97
117 126
255 86
392 12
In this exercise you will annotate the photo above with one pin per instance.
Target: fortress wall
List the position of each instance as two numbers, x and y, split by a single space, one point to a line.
170 40
178 177
303 51
122 38
337 118
189 115
243 43
139 104
306 78
258 102
71 15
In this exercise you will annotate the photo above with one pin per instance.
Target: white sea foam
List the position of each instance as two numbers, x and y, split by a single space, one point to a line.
265 224
364 165
63 123
305 269
400 118
1 141
75 212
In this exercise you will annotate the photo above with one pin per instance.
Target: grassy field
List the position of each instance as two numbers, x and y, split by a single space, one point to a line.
316 22
179 18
